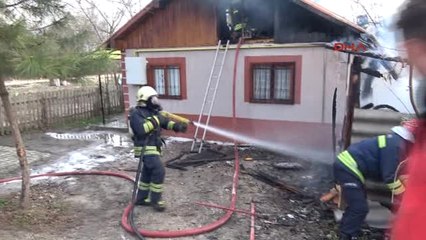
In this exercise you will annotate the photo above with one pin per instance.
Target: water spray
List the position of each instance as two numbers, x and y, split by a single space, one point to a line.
281 148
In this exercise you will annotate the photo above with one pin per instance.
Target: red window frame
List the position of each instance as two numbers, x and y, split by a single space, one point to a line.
294 61
164 63
291 65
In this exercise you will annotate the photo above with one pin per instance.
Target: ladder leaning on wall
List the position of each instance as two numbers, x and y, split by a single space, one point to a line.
210 95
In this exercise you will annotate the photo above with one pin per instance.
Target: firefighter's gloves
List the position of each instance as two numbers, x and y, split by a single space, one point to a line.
180 127
155 121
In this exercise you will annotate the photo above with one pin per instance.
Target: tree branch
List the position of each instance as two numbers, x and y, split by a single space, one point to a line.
95 27
99 11
127 6
14 4
112 22
55 22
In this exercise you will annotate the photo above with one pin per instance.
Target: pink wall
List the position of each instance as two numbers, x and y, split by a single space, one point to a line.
307 121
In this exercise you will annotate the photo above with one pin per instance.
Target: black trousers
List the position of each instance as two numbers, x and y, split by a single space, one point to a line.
355 196
152 179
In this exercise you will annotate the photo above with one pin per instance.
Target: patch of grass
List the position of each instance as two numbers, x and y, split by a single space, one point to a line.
78 123
67 124
59 207
3 203
95 120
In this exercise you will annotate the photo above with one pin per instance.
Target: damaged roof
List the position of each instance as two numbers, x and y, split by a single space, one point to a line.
325 13
154 4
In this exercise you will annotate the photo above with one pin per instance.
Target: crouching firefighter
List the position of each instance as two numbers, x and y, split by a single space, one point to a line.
146 123
376 159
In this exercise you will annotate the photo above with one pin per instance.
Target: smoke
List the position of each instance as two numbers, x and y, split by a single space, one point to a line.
392 88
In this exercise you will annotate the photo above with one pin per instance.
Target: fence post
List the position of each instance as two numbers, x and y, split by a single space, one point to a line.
44 113
2 119
102 99
108 100
50 116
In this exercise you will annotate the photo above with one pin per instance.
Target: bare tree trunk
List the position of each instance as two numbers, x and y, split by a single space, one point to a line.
20 148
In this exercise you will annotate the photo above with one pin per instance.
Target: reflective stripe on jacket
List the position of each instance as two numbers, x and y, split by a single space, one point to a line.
376 159
144 132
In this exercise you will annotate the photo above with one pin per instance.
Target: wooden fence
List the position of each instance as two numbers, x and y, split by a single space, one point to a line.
41 110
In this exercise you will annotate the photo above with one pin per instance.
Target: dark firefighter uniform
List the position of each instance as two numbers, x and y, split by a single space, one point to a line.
376 159
146 124
235 19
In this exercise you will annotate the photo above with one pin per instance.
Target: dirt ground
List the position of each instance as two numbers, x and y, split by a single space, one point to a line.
90 207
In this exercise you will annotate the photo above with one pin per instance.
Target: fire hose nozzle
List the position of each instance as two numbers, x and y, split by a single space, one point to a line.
176 117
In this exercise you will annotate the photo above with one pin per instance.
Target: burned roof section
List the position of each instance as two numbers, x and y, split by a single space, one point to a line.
277 21
305 21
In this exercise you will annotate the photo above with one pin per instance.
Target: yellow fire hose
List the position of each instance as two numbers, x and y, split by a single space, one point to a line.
176 117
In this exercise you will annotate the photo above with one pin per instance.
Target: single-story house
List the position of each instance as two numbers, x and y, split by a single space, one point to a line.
286 74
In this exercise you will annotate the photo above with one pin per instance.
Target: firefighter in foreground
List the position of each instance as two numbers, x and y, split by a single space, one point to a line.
146 122
375 159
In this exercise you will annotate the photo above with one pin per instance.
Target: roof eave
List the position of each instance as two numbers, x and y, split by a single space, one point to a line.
318 9
110 42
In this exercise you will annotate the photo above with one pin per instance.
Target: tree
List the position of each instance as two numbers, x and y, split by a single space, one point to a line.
65 52
38 38
105 23
16 21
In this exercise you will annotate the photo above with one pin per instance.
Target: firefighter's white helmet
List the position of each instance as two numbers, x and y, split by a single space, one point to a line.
145 92
404 133
408 129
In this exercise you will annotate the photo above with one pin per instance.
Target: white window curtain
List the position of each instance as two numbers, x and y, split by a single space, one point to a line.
282 83
173 75
262 82
160 84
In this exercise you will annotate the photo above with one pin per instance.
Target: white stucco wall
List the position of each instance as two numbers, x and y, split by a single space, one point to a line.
317 86
336 72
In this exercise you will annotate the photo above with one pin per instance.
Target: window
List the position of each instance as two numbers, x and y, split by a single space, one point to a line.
273 82
167 80
274 79
167 76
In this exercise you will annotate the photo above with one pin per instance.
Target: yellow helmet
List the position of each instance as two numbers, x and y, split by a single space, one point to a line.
145 92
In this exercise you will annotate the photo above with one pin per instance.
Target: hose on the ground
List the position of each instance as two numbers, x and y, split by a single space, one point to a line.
252 226
173 233
125 219
133 225
135 194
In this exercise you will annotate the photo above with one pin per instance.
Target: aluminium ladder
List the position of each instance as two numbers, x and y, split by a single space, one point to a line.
210 94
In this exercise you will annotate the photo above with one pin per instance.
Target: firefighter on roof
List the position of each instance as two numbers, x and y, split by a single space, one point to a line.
146 123
235 20
375 159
